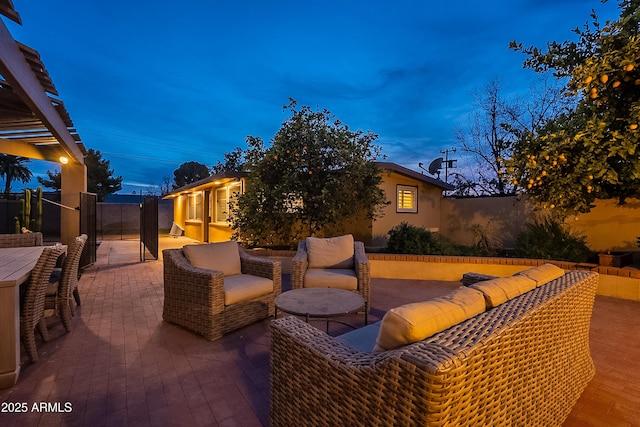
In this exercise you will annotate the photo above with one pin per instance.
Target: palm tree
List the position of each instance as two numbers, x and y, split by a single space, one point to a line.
13 168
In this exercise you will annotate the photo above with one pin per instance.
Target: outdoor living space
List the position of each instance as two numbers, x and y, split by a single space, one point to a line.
123 365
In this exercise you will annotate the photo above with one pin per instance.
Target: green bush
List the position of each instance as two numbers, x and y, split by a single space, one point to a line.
550 239
410 239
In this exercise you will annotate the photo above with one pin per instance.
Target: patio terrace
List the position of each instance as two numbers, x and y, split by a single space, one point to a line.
122 365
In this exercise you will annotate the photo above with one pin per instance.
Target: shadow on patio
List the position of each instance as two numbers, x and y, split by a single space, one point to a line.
122 365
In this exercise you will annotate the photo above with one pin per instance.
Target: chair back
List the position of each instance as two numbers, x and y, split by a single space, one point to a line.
33 308
69 276
20 240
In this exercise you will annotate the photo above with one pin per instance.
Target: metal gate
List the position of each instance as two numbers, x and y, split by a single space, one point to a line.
149 227
88 227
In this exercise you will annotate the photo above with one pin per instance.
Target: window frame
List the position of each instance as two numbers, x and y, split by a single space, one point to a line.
402 188
194 206
214 208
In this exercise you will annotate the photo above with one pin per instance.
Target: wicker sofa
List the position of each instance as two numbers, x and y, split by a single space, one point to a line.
524 362
197 298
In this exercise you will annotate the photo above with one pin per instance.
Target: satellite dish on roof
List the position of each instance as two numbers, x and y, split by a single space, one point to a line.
434 167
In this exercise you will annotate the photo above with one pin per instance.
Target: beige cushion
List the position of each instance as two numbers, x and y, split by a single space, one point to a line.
331 278
333 252
542 274
243 287
502 289
223 256
415 322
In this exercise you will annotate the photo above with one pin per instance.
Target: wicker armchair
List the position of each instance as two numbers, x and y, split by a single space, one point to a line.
20 240
194 297
524 362
32 313
60 292
361 270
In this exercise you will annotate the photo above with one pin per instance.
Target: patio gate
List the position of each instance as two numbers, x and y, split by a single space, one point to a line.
149 227
88 227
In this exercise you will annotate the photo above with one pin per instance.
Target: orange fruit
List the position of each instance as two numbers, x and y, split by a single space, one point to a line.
633 126
616 83
628 67
604 78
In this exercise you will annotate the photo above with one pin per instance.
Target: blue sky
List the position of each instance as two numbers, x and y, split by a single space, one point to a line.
155 84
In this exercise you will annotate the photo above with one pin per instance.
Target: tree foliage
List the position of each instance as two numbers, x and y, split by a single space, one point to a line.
233 162
592 151
53 180
494 130
14 168
100 178
189 172
317 174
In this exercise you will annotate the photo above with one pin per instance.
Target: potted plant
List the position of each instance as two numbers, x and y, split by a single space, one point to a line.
615 259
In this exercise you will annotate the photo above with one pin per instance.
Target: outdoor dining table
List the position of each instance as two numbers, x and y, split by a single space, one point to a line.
15 268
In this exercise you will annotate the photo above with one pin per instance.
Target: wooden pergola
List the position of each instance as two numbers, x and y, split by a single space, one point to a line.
34 122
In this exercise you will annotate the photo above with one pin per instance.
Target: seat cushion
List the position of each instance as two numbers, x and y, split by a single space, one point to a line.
333 252
331 278
542 274
414 322
243 287
362 339
222 256
502 289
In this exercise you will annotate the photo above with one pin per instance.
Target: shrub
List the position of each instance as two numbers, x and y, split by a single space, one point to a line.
410 239
551 239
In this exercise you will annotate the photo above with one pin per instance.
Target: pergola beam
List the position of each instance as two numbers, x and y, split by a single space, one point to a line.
17 72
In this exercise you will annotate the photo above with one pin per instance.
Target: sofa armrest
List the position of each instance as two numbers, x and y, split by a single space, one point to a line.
299 265
262 267
316 380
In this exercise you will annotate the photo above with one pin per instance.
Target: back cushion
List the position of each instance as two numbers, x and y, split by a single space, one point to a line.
414 322
223 256
502 289
542 274
333 252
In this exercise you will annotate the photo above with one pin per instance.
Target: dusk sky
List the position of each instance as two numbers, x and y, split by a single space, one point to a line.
155 84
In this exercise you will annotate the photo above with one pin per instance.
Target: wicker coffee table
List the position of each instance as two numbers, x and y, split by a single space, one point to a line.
321 303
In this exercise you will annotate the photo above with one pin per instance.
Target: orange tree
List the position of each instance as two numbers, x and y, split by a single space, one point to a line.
316 175
592 151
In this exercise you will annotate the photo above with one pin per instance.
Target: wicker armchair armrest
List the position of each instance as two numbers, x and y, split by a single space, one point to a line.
191 282
299 265
363 270
262 267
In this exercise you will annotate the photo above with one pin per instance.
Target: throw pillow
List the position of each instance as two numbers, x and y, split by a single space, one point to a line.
502 289
542 274
414 322
333 252
222 256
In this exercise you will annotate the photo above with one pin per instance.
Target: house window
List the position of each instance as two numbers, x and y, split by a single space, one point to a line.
407 199
224 198
194 211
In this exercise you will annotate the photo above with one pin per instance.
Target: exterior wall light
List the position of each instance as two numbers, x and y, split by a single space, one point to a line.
63 160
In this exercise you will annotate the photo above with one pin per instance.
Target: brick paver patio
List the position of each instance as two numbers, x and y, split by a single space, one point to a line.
122 365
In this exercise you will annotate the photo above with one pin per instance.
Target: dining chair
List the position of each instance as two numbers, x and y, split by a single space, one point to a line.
32 314
63 284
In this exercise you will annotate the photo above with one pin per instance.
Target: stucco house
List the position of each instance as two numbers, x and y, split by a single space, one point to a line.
201 208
